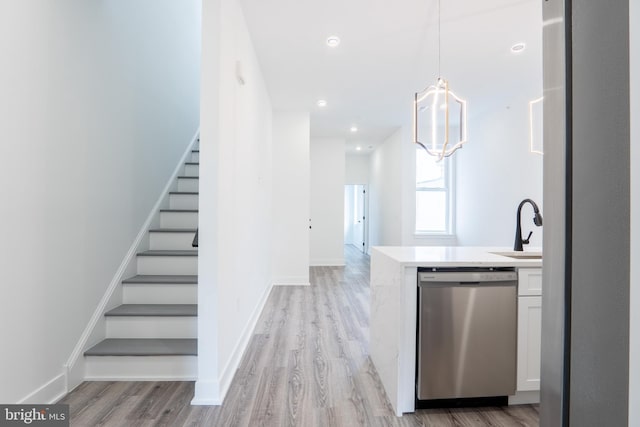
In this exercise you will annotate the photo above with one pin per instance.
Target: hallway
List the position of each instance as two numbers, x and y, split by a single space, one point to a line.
307 365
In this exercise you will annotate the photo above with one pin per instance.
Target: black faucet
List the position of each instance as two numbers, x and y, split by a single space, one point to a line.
537 220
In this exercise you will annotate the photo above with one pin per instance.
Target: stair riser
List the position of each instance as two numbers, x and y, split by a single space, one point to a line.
183 201
195 157
192 170
178 219
141 368
157 265
188 184
159 294
169 240
152 327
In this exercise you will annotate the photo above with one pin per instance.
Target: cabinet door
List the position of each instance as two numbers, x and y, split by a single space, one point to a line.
530 281
529 337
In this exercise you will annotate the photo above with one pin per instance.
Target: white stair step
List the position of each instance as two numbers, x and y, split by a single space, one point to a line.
159 293
171 238
160 262
192 169
188 183
137 368
195 156
160 290
178 218
152 326
183 200
142 359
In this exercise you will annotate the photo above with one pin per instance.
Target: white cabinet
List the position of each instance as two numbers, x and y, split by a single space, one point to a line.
529 328
530 281
529 325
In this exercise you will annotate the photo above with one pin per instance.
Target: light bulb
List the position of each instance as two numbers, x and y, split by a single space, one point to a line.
333 41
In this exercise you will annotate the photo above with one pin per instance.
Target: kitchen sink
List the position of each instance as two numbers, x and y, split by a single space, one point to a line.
520 255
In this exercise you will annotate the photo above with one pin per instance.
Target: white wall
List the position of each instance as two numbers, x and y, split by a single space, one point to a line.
392 194
291 203
235 198
634 298
207 387
495 172
99 101
327 201
356 169
385 192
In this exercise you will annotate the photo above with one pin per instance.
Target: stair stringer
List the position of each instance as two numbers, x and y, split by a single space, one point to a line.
95 331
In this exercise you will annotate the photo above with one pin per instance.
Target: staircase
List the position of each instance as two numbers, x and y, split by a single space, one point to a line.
153 334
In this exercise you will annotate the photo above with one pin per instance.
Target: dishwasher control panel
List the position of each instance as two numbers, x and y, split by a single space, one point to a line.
467 276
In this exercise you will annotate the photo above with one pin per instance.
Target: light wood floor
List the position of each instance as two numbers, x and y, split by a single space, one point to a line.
306 365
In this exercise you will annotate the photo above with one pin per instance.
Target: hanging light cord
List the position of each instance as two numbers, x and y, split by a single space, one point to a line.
439 39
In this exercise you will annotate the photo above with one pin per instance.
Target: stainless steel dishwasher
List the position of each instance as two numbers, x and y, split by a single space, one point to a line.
467 326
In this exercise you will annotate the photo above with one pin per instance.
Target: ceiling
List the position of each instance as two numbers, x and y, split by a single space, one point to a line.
388 51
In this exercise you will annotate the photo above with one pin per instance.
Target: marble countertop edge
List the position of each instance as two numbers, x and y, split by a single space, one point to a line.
458 256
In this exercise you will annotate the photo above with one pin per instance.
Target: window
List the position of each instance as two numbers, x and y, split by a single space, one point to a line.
433 194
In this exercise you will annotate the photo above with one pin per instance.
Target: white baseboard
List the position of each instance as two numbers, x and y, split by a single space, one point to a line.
525 397
71 366
51 392
236 356
75 374
327 262
291 281
207 393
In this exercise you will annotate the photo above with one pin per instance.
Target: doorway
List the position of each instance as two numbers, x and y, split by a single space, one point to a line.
356 228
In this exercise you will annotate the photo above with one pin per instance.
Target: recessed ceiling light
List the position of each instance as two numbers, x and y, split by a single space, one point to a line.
358 148
518 47
333 41
354 129
321 103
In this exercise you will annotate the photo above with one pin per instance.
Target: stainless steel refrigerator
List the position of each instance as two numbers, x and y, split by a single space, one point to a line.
586 267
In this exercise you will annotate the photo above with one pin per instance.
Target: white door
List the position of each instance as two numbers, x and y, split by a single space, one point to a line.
356 216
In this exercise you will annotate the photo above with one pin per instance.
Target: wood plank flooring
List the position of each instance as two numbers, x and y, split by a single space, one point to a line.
307 365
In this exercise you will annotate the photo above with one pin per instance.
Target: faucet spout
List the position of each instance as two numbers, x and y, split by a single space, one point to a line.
537 220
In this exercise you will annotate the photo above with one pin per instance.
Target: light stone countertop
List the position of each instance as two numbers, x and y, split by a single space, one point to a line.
459 256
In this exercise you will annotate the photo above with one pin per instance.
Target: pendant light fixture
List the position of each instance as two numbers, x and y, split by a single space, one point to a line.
435 132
